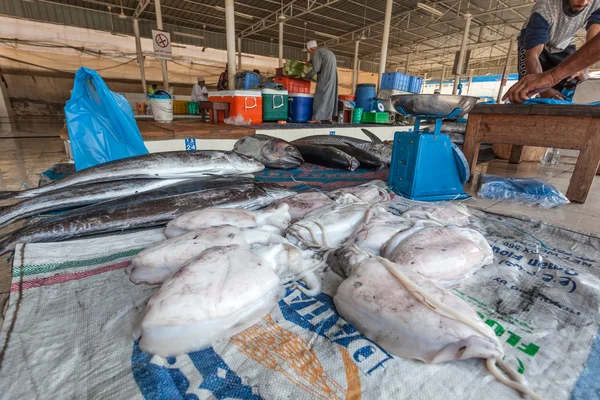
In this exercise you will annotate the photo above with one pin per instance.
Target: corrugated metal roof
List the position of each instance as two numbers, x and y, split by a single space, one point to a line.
431 40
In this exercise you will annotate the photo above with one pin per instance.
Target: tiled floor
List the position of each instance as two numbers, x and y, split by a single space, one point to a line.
22 159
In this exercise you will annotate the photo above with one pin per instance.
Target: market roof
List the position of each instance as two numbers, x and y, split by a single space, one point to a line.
431 31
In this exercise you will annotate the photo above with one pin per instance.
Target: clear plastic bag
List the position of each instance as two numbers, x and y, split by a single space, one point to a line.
529 191
101 123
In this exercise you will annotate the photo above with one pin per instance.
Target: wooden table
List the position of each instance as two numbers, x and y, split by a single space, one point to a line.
560 126
214 107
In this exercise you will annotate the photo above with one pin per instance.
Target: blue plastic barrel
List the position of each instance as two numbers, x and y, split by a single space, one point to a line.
300 107
365 97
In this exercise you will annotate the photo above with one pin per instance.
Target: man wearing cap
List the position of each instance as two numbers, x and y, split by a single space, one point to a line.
324 65
199 91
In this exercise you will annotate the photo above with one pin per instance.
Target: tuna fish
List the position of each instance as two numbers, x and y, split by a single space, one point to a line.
366 159
143 211
327 156
269 151
168 165
379 150
78 196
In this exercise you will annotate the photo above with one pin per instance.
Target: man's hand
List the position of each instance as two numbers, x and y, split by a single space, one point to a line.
552 94
529 85
582 75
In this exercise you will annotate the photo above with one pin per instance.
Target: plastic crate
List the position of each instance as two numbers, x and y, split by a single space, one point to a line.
293 85
192 107
180 107
375 118
395 81
249 81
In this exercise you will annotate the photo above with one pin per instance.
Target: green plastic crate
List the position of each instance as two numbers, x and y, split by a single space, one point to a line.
192 107
375 118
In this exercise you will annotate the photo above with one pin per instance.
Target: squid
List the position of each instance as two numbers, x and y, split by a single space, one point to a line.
278 217
216 295
371 193
303 203
446 255
157 263
328 227
410 316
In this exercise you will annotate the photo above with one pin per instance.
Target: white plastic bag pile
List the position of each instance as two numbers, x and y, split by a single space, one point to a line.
223 270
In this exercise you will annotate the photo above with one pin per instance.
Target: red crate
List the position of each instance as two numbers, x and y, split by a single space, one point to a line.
294 85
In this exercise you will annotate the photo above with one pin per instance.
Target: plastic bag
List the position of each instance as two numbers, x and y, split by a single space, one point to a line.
529 191
238 120
101 124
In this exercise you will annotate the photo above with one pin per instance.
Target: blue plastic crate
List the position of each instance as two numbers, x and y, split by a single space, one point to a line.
249 81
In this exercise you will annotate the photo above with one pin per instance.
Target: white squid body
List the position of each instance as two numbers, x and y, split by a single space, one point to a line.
303 203
446 255
292 264
405 322
217 295
157 263
370 193
328 227
446 214
278 217
378 230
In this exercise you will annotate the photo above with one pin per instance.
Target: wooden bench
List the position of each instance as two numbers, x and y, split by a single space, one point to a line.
560 126
215 106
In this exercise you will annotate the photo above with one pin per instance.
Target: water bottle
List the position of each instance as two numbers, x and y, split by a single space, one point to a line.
551 157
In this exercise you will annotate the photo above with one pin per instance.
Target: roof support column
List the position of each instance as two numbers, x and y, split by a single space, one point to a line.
140 54
462 54
159 26
280 44
505 72
470 81
407 63
230 31
355 67
239 49
386 37
442 78
6 111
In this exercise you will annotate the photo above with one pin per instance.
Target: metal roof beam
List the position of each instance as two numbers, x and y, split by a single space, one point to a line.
139 9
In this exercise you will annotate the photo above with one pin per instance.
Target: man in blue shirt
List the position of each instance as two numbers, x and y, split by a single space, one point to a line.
546 37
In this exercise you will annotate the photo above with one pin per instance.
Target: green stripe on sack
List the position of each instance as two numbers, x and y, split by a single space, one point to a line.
45 268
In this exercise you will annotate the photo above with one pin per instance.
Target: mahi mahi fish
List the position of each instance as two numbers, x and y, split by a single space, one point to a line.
78 196
270 151
376 147
131 213
327 156
168 165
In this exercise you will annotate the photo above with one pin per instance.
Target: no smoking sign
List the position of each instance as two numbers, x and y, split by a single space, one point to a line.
162 45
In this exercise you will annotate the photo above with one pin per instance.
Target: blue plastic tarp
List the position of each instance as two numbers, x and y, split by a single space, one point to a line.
101 123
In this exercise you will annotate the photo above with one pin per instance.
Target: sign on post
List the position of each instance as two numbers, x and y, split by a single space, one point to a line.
162 45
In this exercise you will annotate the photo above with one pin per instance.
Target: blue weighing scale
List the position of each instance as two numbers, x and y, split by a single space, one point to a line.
427 166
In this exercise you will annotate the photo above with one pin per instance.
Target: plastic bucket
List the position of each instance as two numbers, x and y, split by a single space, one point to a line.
162 110
300 107
365 97
357 115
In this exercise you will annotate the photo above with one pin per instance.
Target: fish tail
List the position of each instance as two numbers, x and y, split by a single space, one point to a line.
6 245
8 194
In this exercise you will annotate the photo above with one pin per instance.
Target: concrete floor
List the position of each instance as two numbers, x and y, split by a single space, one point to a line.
35 150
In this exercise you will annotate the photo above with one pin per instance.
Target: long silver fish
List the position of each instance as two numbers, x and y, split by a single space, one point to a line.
78 196
123 214
381 151
168 165
270 151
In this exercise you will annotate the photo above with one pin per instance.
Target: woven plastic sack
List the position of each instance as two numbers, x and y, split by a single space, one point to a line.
101 123
529 191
